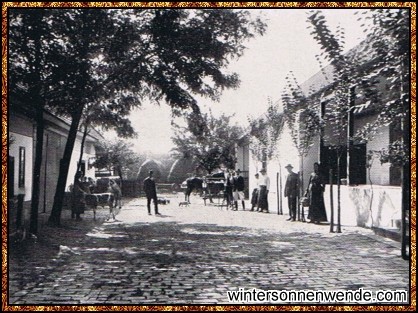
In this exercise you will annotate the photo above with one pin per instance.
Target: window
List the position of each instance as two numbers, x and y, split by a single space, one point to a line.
22 162
357 163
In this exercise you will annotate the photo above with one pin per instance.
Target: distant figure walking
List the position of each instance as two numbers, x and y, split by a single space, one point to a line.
264 184
79 197
151 193
254 195
291 191
117 193
316 188
239 186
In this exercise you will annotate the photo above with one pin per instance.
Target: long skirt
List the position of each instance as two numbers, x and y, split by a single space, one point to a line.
262 198
317 212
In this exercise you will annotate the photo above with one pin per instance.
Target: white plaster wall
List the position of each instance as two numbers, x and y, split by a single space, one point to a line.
379 173
356 210
74 160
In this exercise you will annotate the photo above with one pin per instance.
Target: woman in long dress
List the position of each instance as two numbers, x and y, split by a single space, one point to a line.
316 188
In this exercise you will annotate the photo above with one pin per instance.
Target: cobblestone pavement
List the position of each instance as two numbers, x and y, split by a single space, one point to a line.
194 255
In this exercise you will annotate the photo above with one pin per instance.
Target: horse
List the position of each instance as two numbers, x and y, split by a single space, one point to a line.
193 183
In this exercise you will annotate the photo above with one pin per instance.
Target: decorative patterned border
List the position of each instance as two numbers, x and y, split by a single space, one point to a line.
7 5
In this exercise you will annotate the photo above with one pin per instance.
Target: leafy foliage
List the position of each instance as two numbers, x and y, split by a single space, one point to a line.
207 139
112 59
381 64
395 154
388 43
332 46
117 155
265 133
301 114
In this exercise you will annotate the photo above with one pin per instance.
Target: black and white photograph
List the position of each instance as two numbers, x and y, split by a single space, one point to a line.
222 155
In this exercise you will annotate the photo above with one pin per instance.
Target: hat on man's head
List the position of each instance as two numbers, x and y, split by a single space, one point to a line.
263 170
288 166
238 171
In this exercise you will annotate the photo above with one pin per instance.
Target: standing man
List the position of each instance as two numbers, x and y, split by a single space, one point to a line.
254 196
151 193
291 191
264 185
239 186
228 187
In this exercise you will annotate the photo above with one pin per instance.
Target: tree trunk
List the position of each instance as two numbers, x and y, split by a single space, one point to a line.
331 195
281 193
278 196
36 181
55 217
39 105
338 195
301 188
120 174
406 169
405 237
83 140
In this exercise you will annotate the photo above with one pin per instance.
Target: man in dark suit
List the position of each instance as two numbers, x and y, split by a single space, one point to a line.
239 186
151 193
291 191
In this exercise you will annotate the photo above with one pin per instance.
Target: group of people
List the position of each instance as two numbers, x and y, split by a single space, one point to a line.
314 193
86 185
234 185
259 197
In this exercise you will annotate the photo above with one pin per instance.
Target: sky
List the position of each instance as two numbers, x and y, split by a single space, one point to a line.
286 46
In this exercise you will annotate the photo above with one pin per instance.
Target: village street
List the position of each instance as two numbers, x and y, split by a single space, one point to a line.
194 255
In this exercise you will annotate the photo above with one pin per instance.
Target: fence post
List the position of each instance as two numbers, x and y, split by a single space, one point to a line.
278 195
331 230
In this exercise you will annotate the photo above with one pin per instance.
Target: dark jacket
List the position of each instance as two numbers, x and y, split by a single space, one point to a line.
291 188
239 184
149 188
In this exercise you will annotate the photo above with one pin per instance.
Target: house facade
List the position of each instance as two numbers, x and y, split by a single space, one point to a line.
21 157
371 194
250 165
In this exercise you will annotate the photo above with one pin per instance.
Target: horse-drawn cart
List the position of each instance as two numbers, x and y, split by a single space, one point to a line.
209 188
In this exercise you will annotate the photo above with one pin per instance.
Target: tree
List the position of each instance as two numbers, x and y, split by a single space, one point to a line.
336 113
265 133
389 41
161 54
387 50
301 114
264 136
29 68
209 140
388 44
116 155
99 115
